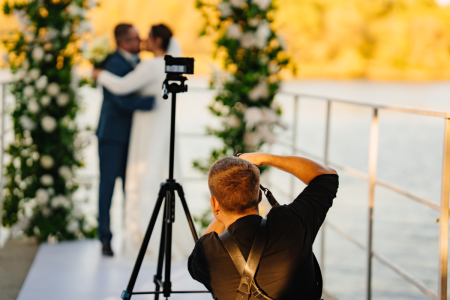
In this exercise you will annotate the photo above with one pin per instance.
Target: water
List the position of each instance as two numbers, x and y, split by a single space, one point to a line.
410 154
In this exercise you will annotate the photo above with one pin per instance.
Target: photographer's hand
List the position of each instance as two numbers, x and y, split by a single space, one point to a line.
214 226
256 158
302 168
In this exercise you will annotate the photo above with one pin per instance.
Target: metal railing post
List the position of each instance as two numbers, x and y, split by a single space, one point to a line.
325 161
294 142
373 155
444 214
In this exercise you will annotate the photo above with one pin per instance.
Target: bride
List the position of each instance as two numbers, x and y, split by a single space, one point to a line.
148 154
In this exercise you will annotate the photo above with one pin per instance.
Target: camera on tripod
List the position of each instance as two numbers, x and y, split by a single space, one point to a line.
179 65
173 84
175 68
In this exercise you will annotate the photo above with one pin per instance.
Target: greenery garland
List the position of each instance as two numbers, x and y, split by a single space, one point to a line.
45 152
252 55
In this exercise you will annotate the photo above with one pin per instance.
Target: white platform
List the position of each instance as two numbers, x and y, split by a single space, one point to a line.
77 270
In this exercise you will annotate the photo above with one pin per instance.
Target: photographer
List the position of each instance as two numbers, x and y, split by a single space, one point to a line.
287 266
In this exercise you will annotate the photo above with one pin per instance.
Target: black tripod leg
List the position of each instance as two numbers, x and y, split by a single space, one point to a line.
186 211
158 277
170 218
126 295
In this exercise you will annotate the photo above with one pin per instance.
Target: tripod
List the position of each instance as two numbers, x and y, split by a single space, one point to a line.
167 194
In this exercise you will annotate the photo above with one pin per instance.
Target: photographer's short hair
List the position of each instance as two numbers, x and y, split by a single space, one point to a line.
235 184
121 32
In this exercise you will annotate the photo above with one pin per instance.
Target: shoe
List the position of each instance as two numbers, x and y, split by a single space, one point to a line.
106 250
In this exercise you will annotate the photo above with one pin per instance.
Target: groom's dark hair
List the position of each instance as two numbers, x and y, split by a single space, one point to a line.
121 31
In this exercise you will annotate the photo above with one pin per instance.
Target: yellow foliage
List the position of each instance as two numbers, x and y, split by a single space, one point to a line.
376 39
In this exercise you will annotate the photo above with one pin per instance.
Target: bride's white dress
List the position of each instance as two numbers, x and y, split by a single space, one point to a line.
148 161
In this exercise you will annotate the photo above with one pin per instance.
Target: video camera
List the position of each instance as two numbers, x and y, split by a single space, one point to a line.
179 65
175 68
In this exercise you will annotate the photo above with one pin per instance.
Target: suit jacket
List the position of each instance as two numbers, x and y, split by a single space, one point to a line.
117 111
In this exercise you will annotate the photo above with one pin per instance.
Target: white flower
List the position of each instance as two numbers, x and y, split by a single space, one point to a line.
268 115
51 239
20 74
248 40
262 4
83 27
33 106
234 31
47 180
73 226
51 34
251 139
41 83
42 196
65 172
273 67
98 51
225 9
262 33
53 89
237 3
254 22
62 99
91 3
27 123
38 53
77 213
66 30
5 57
259 91
45 100
266 134
27 79
48 124
22 18
46 212
48 57
75 11
28 91
264 59
234 121
60 201
47 161
25 64
253 115
282 41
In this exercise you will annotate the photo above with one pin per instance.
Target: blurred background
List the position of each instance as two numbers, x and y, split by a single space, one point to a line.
345 55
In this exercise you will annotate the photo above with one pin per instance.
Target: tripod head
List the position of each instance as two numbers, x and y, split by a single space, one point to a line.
175 68
173 87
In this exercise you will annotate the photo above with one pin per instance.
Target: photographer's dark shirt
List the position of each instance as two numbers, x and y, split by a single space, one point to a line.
286 269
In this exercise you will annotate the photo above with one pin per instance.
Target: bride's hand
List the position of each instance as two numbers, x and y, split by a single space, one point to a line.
96 72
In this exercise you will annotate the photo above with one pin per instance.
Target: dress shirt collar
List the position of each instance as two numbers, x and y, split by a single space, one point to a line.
133 59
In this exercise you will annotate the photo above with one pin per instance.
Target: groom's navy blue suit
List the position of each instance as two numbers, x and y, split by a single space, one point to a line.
113 134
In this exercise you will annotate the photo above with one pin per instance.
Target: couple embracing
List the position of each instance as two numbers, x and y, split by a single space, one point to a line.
133 136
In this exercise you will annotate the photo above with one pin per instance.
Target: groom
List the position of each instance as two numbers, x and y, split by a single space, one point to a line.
114 126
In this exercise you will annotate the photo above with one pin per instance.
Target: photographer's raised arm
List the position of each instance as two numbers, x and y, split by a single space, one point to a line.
302 168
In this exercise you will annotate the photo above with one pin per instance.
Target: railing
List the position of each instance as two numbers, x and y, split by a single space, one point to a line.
373 181
443 208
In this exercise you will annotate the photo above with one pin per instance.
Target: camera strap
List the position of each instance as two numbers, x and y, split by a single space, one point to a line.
248 268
